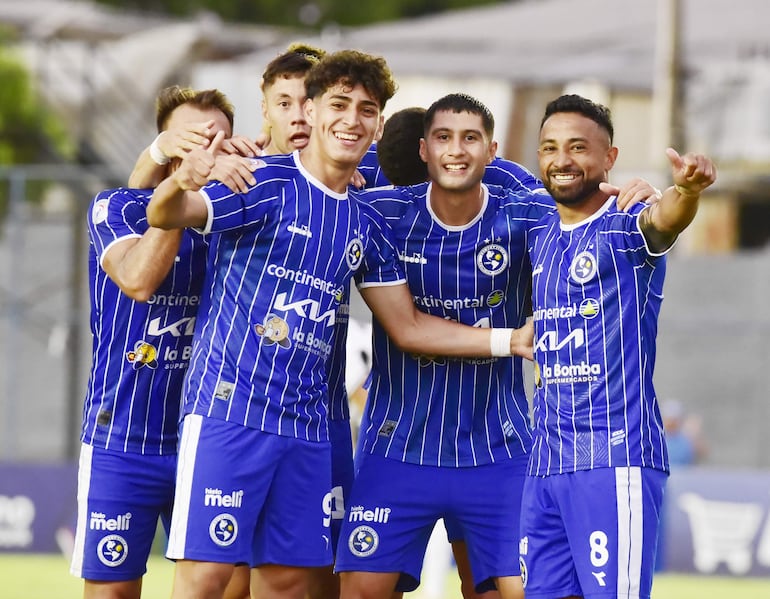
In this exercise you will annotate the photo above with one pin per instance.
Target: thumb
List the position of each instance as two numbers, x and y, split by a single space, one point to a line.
674 158
609 188
215 147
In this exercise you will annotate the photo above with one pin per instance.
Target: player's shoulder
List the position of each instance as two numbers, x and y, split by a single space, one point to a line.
392 201
116 201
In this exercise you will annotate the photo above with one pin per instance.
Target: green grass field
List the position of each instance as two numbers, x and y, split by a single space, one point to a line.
48 577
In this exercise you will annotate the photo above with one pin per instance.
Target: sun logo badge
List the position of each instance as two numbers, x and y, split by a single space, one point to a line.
274 330
492 259
363 541
583 267
495 298
589 308
354 253
223 530
538 379
112 550
143 354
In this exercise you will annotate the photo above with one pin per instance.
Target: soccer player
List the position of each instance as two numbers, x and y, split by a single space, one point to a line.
599 461
437 430
254 467
145 289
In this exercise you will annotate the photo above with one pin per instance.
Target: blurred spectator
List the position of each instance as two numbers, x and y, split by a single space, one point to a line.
684 435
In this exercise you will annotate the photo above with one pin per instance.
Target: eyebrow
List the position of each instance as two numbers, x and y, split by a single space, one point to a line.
349 99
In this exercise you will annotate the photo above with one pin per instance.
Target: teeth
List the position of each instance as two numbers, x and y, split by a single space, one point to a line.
346 136
454 167
564 178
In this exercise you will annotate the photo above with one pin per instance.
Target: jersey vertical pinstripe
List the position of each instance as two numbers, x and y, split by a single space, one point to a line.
597 292
281 255
140 350
450 412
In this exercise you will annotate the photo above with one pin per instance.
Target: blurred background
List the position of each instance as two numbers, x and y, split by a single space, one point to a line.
78 80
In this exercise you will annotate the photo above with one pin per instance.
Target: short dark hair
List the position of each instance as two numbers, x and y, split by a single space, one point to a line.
170 98
295 62
398 151
351 67
461 103
598 113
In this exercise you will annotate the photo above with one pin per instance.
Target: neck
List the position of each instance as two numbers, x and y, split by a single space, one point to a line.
571 214
334 175
456 208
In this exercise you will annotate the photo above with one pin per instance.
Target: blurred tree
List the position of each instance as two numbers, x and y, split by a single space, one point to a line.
307 13
29 133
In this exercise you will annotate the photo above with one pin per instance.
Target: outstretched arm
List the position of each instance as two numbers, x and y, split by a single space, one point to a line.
663 221
414 331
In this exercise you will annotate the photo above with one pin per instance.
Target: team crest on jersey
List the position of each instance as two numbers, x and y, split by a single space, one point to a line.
274 330
112 550
354 253
523 567
583 267
363 541
99 211
143 354
589 308
492 259
223 530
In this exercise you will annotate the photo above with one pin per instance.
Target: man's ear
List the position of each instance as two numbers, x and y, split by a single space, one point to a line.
380 128
309 109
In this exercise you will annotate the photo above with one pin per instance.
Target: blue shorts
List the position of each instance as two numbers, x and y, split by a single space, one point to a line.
341 439
244 496
120 498
394 506
591 533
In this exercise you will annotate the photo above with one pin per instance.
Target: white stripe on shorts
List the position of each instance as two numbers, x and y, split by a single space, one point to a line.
84 486
188 447
628 487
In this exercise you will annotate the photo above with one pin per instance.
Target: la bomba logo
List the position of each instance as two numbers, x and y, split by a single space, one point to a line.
143 354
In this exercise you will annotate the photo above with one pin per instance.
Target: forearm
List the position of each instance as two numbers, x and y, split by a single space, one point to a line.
171 207
665 220
147 173
143 264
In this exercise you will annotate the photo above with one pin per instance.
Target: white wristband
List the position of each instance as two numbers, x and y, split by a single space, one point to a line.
157 155
500 342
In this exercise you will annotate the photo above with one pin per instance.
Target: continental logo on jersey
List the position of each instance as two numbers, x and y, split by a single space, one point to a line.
274 330
143 354
223 530
112 550
354 253
583 267
492 259
363 541
99 211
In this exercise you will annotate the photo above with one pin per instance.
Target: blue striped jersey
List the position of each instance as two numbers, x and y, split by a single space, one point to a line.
454 412
511 175
369 167
280 258
140 349
597 292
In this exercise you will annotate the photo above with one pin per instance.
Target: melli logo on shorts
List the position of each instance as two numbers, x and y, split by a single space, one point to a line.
363 541
112 550
223 530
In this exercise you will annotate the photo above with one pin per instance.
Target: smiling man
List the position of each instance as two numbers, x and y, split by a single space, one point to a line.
255 468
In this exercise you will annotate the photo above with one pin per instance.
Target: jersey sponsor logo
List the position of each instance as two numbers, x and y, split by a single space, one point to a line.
363 541
387 428
274 330
491 300
217 498
183 327
378 514
301 277
583 372
143 354
171 299
583 267
112 550
303 230
223 530
99 211
415 258
224 390
306 308
100 521
550 341
492 259
354 253
588 309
